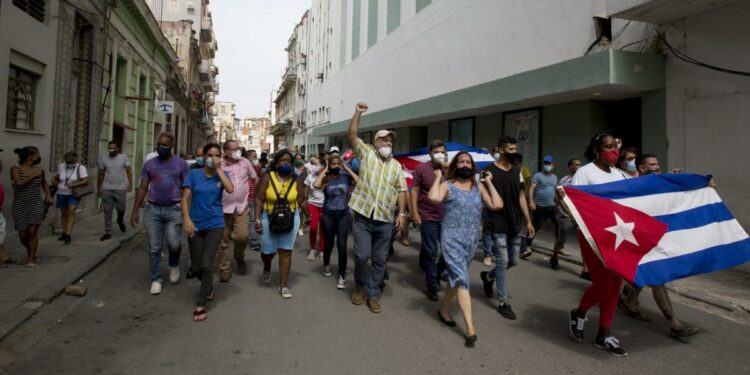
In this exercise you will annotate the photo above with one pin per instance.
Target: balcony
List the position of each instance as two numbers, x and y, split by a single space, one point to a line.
207 32
289 77
662 11
206 76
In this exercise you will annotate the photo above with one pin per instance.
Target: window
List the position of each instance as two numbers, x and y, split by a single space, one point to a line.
462 131
21 98
34 8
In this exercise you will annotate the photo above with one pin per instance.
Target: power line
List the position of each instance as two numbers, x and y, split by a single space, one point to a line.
684 57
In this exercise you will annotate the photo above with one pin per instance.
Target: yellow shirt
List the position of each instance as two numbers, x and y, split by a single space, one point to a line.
282 188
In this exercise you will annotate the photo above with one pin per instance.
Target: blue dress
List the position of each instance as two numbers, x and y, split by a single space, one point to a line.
460 232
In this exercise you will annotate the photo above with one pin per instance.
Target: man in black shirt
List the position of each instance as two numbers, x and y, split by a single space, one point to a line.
506 225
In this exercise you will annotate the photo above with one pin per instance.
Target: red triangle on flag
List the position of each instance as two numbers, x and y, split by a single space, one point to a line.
621 235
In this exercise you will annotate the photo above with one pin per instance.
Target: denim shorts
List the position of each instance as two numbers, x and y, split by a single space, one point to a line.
274 241
64 200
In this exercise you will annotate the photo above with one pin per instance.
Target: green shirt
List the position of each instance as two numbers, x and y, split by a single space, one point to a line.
379 183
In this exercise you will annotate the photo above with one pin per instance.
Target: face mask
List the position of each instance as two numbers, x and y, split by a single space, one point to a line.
496 156
263 170
163 152
464 172
254 161
199 161
236 155
631 165
299 163
385 152
610 156
314 169
37 161
210 163
439 157
547 168
334 171
284 169
71 164
652 171
513 156
112 153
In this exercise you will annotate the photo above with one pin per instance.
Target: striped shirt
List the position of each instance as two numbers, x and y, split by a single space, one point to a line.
380 181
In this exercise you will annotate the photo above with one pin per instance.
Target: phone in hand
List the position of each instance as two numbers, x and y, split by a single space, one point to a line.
483 175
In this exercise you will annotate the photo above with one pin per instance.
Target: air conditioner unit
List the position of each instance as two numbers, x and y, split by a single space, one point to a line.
191 7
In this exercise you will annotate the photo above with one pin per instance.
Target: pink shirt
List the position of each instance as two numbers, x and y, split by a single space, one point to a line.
240 172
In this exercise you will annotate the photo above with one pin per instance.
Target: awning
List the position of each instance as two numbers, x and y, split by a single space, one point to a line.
606 75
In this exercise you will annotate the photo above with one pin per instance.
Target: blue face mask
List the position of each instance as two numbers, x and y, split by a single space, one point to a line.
284 169
163 151
199 161
210 163
548 168
631 165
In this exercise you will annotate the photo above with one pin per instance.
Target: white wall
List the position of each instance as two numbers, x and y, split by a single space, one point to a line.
708 112
452 45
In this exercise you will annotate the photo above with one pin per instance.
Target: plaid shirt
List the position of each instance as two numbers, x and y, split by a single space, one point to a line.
379 184
251 185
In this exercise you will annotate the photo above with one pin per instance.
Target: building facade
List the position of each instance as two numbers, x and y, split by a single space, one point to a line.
224 121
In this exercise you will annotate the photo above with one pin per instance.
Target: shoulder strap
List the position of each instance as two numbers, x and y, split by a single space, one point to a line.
273 185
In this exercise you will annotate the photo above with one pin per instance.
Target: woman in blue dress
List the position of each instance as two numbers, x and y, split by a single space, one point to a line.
463 198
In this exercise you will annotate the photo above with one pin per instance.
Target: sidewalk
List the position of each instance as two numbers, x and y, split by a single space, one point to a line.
23 292
728 289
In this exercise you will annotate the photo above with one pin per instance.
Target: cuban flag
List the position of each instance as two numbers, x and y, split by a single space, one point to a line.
411 159
658 228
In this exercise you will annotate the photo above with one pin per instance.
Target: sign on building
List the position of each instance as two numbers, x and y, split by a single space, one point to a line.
165 106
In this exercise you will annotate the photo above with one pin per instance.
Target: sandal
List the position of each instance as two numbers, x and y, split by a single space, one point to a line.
200 314
31 266
632 313
210 296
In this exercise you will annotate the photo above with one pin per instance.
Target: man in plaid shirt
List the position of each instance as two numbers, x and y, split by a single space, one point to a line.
381 184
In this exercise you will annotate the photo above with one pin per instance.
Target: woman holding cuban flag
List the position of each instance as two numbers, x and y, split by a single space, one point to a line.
603 152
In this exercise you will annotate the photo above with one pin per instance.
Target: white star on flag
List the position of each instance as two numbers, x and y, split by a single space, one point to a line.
623 231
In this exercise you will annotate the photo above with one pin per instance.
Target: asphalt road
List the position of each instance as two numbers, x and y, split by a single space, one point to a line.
118 328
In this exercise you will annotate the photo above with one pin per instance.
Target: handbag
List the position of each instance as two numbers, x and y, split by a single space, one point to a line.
82 191
281 219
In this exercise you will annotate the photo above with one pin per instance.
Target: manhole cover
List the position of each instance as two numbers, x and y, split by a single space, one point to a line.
53 259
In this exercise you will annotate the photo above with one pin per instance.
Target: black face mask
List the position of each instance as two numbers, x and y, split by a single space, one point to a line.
113 153
464 172
513 156
37 161
334 171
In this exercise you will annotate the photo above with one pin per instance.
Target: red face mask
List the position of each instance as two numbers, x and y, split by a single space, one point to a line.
610 156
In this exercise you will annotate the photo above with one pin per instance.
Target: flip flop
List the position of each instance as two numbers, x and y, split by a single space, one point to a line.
632 313
200 314
31 266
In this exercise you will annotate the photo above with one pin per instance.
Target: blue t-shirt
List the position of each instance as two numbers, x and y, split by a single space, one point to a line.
165 178
206 210
544 195
337 194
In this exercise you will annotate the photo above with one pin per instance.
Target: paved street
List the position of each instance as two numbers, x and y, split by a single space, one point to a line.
118 328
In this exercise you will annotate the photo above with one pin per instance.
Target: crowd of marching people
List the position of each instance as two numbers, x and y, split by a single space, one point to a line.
228 197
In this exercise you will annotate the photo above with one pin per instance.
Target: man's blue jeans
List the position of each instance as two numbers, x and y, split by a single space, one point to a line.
428 253
371 241
503 252
164 226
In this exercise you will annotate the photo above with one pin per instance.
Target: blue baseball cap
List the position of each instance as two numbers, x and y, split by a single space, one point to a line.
549 159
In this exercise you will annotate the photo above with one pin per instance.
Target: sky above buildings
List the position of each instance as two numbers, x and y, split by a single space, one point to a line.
252 35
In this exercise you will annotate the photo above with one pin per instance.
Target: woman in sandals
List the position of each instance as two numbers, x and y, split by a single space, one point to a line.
203 218
460 233
279 185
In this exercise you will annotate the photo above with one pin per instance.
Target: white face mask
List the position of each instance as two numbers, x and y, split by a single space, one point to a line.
237 155
314 169
496 156
547 168
385 151
439 157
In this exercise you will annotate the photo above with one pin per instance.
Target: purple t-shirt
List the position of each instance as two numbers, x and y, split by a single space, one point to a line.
422 179
165 178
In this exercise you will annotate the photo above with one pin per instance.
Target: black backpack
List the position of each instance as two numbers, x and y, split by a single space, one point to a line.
281 218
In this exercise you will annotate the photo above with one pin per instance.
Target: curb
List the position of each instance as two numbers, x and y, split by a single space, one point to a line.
49 292
687 293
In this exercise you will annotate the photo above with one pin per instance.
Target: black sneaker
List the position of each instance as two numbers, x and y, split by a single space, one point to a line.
506 311
67 240
106 236
526 254
486 283
554 264
432 294
190 274
122 226
610 344
576 326
62 237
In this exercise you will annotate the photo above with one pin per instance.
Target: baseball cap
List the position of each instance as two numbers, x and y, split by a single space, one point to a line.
549 159
384 133
334 149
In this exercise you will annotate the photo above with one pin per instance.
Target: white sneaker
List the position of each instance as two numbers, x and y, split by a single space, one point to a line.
327 271
311 255
155 287
174 275
488 261
301 233
341 284
285 292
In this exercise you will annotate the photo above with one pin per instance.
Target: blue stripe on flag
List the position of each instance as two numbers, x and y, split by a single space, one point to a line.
450 146
696 217
647 185
711 259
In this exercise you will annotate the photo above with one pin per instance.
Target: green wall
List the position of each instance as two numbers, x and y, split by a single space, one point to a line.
394 15
356 15
421 4
372 23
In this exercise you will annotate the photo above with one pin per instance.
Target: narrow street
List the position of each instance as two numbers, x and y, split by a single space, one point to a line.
118 328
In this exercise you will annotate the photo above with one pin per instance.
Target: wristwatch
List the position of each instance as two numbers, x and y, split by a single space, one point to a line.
401 214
